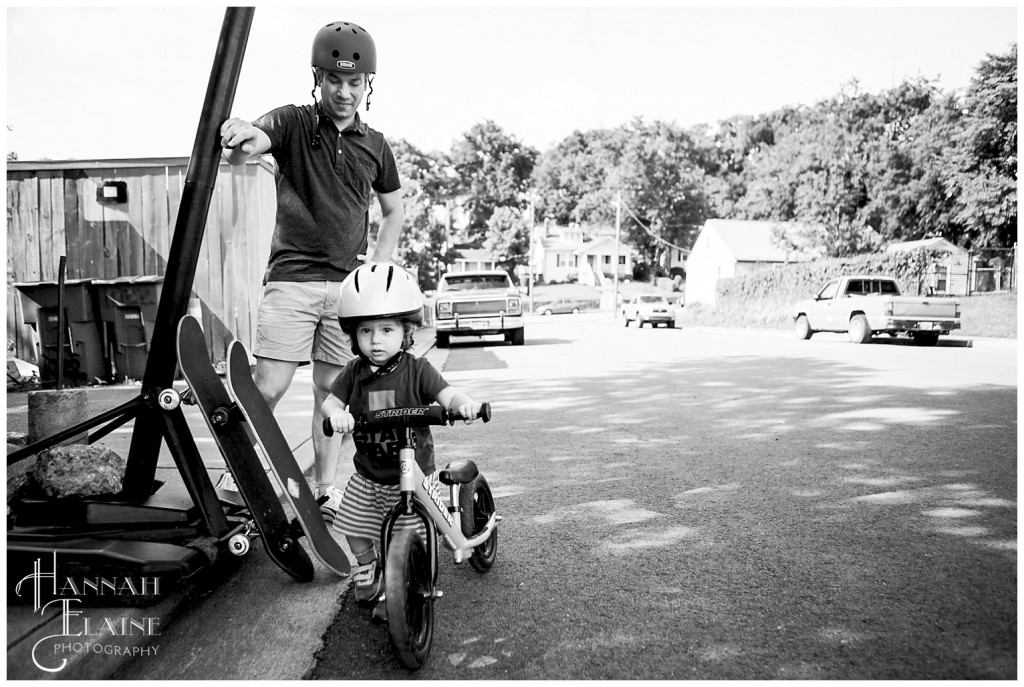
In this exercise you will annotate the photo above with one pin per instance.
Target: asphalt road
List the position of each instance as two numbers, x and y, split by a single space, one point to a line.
708 504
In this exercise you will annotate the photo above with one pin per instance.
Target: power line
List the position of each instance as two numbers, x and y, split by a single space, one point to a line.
649 232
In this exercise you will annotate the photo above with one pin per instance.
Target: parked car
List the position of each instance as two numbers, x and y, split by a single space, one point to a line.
561 306
477 303
649 308
863 305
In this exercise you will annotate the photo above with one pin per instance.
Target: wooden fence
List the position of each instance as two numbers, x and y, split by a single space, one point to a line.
73 208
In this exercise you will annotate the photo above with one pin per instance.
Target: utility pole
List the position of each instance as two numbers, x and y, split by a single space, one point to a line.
615 267
529 258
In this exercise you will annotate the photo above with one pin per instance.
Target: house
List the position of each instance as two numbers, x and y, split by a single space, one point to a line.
731 248
948 276
472 260
588 255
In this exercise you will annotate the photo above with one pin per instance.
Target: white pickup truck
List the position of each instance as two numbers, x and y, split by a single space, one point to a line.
477 303
864 305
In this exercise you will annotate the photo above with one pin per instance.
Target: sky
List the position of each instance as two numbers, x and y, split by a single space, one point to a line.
129 81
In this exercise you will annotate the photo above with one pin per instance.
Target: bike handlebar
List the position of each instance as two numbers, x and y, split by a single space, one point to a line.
415 416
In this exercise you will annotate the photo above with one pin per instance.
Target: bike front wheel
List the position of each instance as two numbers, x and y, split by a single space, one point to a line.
477 505
409 598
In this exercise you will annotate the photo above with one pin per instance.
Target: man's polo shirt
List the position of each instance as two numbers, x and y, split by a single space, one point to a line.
323 195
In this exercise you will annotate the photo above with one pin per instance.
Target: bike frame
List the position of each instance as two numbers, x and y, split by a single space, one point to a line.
424 502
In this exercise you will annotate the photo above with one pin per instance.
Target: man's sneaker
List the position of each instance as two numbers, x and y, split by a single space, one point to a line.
380 612
227 482
366 580
329 507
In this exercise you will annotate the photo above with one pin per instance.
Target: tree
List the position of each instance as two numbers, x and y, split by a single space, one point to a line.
571 180
494 170
984 172
662 187
427 185
508 236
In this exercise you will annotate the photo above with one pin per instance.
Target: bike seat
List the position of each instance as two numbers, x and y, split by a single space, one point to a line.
458 472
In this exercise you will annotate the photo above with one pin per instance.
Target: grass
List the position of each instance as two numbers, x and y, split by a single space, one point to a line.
982 315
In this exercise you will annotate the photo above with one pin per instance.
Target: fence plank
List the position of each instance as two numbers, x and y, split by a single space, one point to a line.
74 238
156 221
56 180
27 244
49 253
90 224
136 228
242 186
214 241
15 232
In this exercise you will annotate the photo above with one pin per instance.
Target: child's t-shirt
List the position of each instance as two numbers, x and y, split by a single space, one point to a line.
411 382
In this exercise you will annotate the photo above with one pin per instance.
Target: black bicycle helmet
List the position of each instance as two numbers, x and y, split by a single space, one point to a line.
342 46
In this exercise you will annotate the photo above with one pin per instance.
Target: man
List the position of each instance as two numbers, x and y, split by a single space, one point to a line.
328 162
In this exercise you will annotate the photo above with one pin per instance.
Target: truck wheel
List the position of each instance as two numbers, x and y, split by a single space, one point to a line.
860 331
803 329
442 340
926 339
518 337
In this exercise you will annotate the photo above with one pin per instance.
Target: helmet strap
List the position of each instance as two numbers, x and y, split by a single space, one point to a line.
384 369
315 140
369 92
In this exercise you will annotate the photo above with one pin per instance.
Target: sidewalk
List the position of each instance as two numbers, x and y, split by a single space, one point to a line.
252 622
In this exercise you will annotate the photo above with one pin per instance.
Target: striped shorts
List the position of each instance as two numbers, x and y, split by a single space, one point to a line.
365 503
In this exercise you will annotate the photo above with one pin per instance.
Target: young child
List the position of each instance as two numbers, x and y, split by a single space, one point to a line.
380 307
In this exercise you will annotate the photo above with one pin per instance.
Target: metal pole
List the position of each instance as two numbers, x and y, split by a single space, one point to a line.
615 267
185 244
62 321
529 259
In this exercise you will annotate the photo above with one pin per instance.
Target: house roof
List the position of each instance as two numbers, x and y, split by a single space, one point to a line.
474 255
750 241
602 245
552 244
934 243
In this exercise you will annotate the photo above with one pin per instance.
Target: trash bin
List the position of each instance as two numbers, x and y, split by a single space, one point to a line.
128 305
84 353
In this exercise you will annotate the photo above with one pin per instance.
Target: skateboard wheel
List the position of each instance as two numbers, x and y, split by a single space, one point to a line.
219 417
169 399
238 545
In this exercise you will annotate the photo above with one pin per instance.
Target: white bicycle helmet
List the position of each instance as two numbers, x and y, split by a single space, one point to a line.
378 290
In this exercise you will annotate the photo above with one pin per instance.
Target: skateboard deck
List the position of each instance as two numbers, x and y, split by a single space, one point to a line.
282 461
227 425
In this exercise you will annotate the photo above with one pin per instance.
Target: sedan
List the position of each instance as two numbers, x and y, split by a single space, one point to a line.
560 307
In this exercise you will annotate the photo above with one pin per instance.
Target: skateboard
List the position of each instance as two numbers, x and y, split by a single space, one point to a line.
282 461
228 428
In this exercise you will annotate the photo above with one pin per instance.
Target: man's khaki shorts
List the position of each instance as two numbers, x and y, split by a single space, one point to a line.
298 322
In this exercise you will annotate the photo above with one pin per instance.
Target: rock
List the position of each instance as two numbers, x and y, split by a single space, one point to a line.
17 439
19 478
78 470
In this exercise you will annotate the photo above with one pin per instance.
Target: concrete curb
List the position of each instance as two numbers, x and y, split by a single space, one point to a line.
958 341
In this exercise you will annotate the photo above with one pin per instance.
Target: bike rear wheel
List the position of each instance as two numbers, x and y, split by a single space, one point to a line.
477 505
409 598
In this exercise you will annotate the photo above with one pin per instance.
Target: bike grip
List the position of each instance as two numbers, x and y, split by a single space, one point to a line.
485 412
328 429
